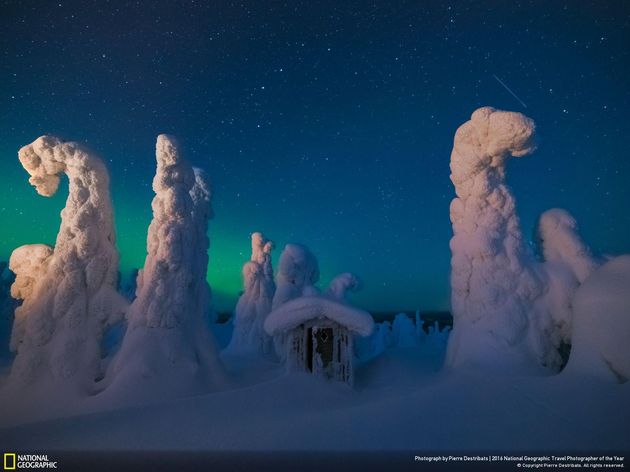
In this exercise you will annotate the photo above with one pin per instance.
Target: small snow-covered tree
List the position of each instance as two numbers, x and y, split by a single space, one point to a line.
298 272
69 292
567 263
342 284
404 331
255 303
559 242
167 349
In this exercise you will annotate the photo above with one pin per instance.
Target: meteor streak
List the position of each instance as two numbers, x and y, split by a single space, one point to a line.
509 90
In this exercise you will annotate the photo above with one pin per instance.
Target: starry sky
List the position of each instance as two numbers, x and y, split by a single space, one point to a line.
324 123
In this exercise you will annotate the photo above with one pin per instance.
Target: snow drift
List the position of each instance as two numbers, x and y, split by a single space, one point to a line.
69 292
167 349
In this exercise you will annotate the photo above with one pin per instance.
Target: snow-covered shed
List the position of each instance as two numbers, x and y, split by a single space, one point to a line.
319 334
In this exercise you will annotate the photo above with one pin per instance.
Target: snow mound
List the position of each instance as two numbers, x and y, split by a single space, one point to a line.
300 310
601 322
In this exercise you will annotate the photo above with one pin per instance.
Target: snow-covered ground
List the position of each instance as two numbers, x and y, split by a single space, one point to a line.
403 399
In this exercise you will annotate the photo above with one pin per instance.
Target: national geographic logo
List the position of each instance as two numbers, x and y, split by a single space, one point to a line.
13 461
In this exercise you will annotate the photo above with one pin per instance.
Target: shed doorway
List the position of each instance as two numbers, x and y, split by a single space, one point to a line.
320 342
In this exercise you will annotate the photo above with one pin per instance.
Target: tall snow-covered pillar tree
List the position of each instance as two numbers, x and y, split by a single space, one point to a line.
492 287
69 292
167 349
255 303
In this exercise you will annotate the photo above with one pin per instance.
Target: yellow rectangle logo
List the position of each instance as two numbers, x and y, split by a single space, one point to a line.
9 461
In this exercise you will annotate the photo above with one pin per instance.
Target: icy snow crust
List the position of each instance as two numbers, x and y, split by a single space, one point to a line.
300 310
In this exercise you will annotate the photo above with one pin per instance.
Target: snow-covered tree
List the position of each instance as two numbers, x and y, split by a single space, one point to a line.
69 292
298 272
167 349
201 195
559 242
404 331
342 284
493 288
567 263
7 308
255 303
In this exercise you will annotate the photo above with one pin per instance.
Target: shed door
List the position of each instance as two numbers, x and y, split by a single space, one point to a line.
323 341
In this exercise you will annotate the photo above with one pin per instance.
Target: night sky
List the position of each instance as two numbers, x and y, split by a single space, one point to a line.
325 123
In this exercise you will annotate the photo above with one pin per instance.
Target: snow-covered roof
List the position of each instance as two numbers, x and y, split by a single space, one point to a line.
300 310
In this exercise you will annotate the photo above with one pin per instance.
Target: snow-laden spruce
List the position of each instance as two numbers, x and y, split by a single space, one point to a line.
298 272
255 303
201 194
342 284
559 241
167 349
69 292
492 288
567 263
